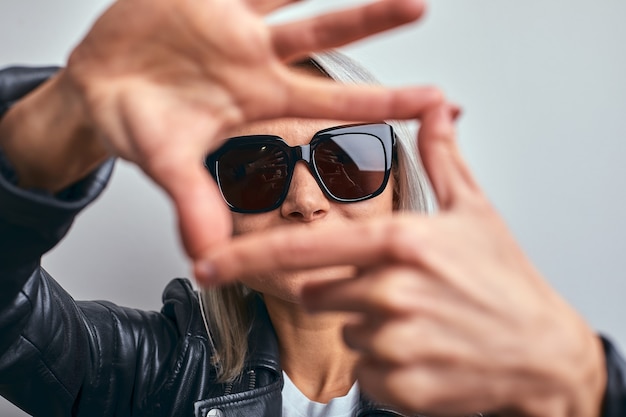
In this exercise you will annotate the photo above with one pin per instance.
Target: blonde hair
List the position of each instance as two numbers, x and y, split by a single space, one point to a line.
226 310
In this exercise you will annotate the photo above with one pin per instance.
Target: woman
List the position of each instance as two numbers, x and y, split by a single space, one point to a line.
335 196
247 349
221 376
112 360
63 357
158 101
446 313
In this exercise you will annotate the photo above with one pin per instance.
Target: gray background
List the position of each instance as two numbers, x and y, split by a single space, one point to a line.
543 90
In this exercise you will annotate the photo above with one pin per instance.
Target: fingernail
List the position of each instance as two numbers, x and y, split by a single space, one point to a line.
205 272
456 111
309 296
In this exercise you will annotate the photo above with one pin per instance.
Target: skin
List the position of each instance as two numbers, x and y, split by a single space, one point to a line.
484 332
447 306
159 90
312 350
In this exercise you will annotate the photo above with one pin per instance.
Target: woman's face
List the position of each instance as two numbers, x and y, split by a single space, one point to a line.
305 204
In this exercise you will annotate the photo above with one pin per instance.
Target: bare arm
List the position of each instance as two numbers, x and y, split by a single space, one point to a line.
48 140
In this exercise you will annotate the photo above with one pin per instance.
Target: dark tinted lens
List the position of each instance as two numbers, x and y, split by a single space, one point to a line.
253 176
352 166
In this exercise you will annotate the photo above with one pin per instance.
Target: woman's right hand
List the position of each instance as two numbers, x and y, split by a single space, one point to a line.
157 82
449 315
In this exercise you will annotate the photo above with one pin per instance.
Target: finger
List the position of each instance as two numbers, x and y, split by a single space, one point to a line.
204 220
299 247
376 379
316 97
448 173
442 390
420 338
297 39
389 291
402 341
268 6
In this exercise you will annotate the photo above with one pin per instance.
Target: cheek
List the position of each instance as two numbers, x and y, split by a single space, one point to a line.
381 205
385 202
247 223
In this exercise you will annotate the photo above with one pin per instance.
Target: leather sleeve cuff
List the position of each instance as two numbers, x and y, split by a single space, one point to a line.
614 402
31 221
16 82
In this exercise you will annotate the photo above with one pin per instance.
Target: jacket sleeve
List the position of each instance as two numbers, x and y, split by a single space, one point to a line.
614 403
60 357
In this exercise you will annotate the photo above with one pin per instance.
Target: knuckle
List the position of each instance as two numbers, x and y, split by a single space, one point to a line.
436 95
350 335
408 11
446 134
405 345
388 299
401 243
396 291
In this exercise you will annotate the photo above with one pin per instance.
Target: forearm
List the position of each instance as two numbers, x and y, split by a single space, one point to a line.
48 139
32 222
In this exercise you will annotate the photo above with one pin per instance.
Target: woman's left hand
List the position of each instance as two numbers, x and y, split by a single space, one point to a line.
454 319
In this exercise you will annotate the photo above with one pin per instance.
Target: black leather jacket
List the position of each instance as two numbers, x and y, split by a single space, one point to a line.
61 357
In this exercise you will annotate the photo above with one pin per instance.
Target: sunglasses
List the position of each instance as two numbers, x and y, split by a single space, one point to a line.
350 163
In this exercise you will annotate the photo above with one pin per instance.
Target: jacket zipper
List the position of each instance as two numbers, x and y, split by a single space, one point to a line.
251 383
252 379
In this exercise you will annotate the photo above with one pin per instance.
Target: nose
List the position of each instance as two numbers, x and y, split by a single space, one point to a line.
305 201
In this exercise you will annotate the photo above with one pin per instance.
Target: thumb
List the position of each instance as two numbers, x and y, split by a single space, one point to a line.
451 179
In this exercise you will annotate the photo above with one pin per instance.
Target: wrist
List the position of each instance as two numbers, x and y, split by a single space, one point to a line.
48 138
587 390
573 384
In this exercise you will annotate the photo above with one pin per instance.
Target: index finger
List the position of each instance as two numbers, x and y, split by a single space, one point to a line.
303 247
319 98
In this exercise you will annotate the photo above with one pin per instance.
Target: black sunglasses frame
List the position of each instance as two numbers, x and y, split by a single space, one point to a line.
381 131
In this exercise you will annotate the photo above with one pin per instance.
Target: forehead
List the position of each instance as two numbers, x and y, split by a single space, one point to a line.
293 131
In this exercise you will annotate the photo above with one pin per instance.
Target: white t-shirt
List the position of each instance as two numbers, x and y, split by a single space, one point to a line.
296 404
